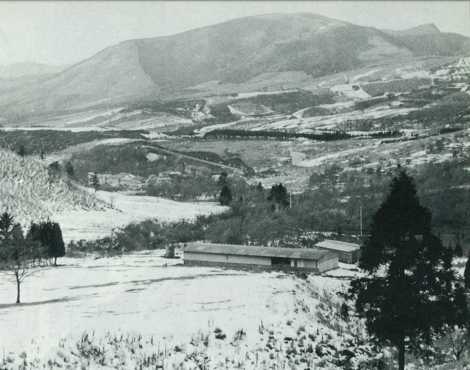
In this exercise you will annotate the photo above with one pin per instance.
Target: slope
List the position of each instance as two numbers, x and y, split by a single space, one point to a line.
30 193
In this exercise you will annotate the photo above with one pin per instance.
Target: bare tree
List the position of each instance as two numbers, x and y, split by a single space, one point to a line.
17 253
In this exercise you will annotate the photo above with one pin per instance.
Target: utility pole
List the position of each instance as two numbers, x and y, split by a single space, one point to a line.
290 199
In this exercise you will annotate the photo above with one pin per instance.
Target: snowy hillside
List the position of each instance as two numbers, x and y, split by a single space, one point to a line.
30 193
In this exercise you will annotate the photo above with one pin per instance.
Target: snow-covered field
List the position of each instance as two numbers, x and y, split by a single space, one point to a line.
124 209
144 294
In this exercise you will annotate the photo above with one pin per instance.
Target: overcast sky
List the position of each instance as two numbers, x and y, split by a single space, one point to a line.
66 32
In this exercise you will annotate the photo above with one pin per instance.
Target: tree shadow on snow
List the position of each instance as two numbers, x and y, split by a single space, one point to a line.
37 303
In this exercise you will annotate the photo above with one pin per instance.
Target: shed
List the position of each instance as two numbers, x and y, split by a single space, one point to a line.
269 257
346 252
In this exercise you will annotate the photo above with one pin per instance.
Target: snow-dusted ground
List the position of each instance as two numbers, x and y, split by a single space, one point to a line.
102 119
78 148
301 160
93 224
145 294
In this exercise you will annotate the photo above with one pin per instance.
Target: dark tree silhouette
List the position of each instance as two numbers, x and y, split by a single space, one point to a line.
410 292
458 251
95 181
69 169
57 247
49 235
278 195
222 180
225 196
21 150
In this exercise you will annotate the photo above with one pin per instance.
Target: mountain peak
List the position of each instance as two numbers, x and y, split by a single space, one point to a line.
423 29
427 28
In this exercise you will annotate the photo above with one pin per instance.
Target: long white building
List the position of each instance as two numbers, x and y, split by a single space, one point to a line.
315 260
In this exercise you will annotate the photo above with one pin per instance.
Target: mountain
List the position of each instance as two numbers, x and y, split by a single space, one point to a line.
231 52
27 69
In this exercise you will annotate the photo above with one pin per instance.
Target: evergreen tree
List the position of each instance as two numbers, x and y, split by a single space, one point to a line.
34 235
278 195
467 274
49 235
222 180
95 181
21 150
69 169
225 196
57 246
458 251
409 293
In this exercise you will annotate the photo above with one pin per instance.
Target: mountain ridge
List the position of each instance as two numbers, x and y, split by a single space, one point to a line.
234 51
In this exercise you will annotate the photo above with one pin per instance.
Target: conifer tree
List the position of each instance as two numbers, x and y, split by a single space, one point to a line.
410 291
57 245
278 195
225 196
69 169
95 182
49 235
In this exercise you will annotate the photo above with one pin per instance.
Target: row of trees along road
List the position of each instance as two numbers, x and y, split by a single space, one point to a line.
21 255
410 293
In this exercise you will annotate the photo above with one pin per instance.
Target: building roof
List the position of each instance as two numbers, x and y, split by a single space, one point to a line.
338 245
258 251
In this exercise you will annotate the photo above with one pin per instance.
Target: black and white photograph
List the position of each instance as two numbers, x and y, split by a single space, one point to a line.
221 185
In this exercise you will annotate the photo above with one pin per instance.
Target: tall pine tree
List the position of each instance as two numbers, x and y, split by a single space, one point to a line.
410 291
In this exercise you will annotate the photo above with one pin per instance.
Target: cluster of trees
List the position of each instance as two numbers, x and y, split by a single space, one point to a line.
20 254
442 189
275 135
278 195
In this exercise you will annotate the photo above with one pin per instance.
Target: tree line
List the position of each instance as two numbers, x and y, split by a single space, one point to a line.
275 135
22 253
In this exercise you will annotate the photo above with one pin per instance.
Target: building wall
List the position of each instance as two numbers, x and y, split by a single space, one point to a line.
304 264
346 257
327 264
224 258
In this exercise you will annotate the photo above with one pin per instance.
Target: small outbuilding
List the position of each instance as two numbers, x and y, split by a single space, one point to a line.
346 252
315 260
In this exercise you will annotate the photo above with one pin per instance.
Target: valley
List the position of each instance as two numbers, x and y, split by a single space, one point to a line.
278 130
